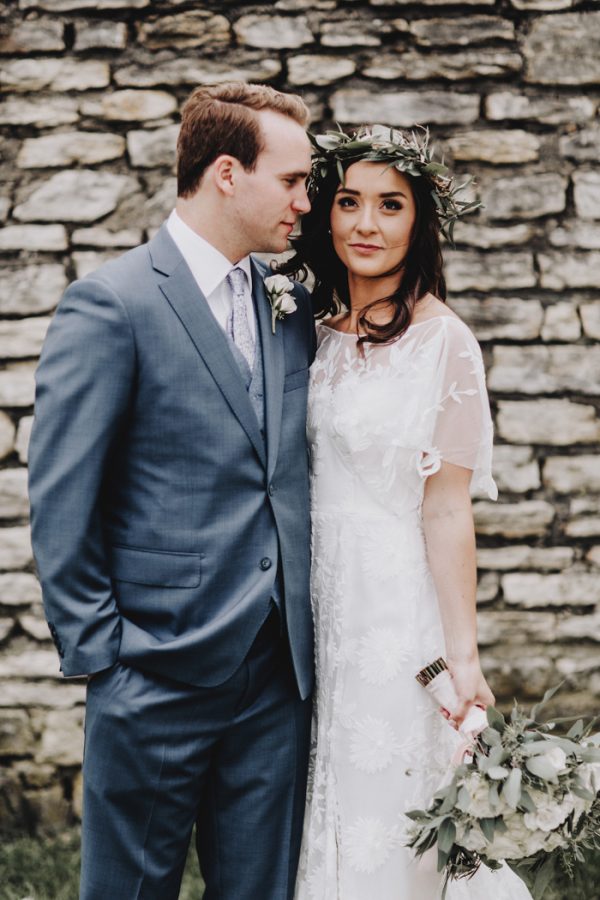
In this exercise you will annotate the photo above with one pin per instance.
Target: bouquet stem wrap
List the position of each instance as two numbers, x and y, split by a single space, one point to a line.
437 680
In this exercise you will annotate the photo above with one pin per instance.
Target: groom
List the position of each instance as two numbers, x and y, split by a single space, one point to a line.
170 520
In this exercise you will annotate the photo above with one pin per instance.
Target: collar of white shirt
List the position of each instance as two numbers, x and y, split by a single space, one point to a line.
207 264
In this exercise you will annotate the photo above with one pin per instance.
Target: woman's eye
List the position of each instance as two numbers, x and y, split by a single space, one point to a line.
345 202
392 204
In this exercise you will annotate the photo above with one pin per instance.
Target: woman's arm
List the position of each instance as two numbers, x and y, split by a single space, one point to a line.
450 538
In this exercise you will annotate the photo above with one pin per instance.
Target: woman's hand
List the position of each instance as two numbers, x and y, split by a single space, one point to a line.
471 688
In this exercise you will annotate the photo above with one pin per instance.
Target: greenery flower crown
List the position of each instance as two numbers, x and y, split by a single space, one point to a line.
409 152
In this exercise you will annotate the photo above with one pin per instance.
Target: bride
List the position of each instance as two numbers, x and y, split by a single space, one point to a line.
400 430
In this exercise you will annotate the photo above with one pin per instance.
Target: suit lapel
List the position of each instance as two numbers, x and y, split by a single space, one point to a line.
273 363
191 307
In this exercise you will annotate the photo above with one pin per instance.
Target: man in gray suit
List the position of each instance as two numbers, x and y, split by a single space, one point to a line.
170 520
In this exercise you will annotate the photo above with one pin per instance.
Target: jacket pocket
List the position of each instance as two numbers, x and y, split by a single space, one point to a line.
295 380
161 568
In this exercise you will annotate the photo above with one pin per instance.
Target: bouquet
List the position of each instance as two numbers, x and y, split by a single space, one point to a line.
523 795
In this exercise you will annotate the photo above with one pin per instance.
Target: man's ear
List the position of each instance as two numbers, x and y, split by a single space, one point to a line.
224 173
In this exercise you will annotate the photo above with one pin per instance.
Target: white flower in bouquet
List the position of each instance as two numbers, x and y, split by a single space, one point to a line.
549 812
517 841
278 288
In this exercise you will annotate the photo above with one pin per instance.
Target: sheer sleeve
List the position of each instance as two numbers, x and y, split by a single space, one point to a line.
461 426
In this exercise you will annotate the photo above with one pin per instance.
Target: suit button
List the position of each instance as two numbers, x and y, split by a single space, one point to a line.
265 563
271 490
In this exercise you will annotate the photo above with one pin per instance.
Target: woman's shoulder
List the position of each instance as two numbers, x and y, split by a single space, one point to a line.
440 317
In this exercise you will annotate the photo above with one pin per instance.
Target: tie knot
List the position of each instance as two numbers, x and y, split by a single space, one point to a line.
237 280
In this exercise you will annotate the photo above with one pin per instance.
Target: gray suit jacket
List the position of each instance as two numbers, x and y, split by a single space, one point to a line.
160 515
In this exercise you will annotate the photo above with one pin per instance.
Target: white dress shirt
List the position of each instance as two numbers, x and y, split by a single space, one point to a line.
210 270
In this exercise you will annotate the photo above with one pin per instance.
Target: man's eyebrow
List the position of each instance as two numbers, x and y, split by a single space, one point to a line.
303 174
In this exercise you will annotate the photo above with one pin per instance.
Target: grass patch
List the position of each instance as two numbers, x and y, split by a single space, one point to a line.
49 870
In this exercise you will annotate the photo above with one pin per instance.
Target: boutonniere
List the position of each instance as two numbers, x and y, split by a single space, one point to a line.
278 289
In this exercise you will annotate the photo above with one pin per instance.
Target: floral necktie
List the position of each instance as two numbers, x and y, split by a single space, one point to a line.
239 325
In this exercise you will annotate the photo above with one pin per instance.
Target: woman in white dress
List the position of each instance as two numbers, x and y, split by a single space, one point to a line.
400 430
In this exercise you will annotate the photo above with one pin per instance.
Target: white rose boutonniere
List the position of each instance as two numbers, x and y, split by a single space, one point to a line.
278 289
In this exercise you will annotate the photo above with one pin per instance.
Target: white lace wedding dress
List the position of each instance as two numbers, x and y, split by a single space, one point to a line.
379 422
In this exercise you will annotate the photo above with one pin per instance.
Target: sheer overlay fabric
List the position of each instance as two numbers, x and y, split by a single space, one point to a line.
381 419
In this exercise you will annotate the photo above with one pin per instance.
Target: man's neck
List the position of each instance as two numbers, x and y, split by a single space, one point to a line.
206 224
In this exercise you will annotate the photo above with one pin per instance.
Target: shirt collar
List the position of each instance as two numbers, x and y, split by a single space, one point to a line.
207 264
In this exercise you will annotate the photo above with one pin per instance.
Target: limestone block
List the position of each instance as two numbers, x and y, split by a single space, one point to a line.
57 695
522 556
318 70
54 74
35 627
488 585
22 338
155 147
510 146
500 317
97 236
246 67
579 628
576 234
17 387
77 795
43 113
563 49
86 262
4 208
515 469
486 62
14 502
6 626
68 5
192 28
432 2
48 809
404 108
513 520
525 197
300 5
79 195
586 193
19 588
354 32
568 474
32 289
556 422
32 662
542 5
158 207
62 738
545 370
561 323
581 145
37 35
101 34
33 237
15 547
7 436
584 518
70 148
548 109
488 237
594 555
273 32
16 735
569 270
590 317
467 270
130 106
569 588
33 775
23 434
516 628
463 31
522 675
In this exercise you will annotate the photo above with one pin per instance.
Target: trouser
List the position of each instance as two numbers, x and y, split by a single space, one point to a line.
161 755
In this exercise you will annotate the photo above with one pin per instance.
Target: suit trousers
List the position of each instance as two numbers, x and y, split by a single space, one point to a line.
161 755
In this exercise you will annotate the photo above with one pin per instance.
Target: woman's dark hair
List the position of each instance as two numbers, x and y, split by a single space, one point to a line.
421 268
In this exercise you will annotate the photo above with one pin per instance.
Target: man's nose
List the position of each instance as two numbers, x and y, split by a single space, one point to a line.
301 203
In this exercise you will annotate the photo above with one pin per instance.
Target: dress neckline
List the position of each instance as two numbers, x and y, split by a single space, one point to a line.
352 334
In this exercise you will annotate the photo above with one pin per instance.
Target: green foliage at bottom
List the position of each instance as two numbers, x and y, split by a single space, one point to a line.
49 870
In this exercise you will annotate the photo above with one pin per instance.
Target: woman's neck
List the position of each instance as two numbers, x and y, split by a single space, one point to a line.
365 291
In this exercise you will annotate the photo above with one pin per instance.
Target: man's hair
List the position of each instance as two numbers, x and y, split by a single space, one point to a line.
222 118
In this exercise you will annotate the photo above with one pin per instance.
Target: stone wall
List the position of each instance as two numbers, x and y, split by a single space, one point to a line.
89 92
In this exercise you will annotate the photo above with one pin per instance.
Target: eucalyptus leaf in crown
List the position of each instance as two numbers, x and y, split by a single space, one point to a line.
407 151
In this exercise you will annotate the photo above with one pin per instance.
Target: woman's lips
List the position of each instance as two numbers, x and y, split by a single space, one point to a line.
366 248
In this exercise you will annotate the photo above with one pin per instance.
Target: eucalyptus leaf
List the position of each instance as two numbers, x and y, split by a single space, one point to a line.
497 772
526 801
446 835
542 768
511 789
495 719
487 826
547 696
576 730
